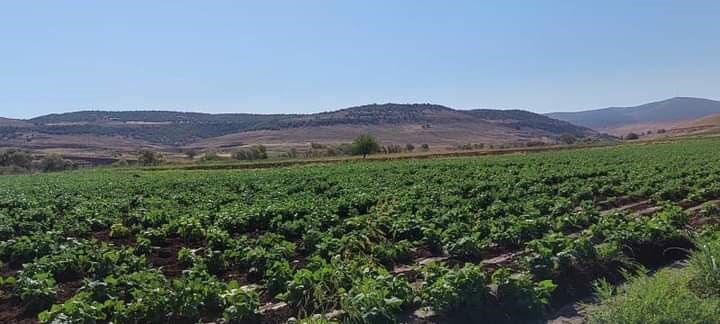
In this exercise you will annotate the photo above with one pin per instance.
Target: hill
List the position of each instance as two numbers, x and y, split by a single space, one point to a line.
712 120
7 122
662 113
390 123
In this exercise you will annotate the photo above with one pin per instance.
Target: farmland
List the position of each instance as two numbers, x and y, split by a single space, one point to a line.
509 237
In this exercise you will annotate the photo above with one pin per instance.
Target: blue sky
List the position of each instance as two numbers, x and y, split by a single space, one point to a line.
309 56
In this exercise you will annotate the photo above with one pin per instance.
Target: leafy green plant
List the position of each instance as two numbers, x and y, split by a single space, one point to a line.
447 289
119 230
519 295
239 304
37 292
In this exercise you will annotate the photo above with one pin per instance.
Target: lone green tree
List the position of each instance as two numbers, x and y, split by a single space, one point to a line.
364 145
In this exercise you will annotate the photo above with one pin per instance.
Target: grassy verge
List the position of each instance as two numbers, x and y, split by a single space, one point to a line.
686 295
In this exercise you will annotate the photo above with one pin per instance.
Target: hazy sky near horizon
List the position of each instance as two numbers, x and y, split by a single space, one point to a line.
307 56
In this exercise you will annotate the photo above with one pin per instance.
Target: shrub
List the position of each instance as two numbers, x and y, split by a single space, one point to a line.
255 152
15 158
211 156
191 154
55 163
149 158
632 136
568 138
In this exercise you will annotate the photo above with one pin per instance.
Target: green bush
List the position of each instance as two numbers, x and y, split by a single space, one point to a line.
55 163
255 152
149 158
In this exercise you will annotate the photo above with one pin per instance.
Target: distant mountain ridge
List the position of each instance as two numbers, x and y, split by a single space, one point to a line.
181 128
670 110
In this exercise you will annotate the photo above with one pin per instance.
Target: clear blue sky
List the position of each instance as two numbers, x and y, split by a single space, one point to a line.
307 56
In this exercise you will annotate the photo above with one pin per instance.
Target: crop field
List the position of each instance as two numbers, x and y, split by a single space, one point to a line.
502 238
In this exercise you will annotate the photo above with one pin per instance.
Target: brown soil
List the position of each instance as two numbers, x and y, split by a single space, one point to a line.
67 289
12 311
104 236
165 257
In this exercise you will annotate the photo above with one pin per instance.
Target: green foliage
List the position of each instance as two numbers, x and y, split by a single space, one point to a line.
376 299
239 304
519 295
278 275
447 289
704 271
364 145
55 163
118 230
661 298
347 237
15 159
149 158
37 292
255 152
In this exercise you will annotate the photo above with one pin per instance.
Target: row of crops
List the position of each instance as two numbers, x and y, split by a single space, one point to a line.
507 237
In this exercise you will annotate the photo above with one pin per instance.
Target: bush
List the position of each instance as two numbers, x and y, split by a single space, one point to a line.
191 154
149 158
15 159
211 156
568 138
632 136
392 149
255 152
55 163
